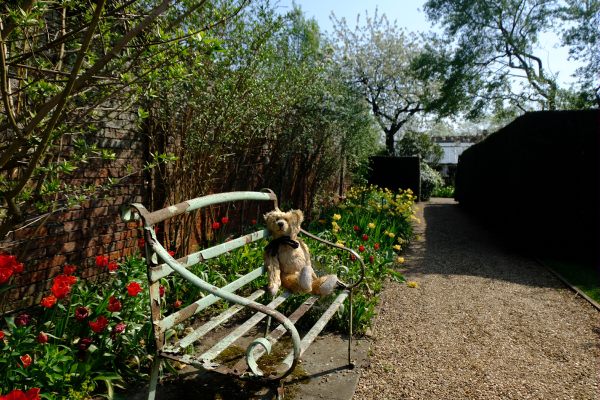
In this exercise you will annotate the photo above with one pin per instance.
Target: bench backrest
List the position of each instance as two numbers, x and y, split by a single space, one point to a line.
157 255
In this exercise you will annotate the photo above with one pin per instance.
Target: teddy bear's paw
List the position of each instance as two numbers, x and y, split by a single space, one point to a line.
329 285
305 278
273 289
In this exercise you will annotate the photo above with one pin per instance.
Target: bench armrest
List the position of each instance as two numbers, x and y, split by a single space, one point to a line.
338 246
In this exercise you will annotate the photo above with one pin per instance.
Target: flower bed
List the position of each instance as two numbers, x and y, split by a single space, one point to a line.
73 344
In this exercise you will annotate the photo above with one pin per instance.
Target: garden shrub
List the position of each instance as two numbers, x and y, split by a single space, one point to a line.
443 191
430 180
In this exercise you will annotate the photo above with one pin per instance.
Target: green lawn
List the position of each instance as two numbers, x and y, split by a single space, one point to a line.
585 277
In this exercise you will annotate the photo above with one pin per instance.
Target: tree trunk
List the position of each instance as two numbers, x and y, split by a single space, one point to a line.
389 142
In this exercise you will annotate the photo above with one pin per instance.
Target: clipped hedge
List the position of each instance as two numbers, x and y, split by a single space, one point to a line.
536 182
396 173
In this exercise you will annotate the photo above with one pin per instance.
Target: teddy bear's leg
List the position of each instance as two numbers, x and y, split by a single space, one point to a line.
305 280
324 285
292 283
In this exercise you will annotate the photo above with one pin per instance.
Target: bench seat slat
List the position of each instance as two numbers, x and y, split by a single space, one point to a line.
317 327
207 301
215 321
218 348
272 337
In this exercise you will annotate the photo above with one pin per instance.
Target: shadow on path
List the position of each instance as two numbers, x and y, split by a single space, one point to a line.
457 244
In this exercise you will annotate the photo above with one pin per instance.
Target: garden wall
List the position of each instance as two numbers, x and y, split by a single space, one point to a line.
79 235
396 173
536 182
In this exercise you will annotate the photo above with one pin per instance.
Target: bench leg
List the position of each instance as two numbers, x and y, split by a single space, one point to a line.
351 312
154 378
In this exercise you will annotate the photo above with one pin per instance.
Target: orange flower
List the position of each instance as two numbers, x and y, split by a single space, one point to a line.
61 286
26 360
48 301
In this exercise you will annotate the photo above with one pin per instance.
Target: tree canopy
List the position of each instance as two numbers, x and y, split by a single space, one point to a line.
376 58
491 58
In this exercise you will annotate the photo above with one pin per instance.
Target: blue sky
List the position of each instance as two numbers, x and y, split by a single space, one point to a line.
408 15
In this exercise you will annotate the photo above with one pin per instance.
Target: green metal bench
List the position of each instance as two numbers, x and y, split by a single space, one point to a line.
161 264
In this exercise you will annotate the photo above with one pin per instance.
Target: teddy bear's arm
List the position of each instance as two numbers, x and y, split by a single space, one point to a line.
273 272
306 252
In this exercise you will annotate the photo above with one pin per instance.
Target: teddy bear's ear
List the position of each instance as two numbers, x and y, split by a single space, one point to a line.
298 216
267 216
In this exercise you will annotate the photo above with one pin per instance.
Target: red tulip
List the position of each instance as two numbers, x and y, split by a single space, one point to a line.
85 343
112 266
101 261
361 248
216 225
42 338
133 289
99 324
365 237
22 319
225 220
18 394
177 303
81 313
48 301
114 305
69 269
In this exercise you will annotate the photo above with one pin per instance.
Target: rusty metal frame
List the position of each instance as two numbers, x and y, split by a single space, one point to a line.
154 251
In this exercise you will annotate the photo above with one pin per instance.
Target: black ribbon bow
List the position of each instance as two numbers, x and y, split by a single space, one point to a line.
274 244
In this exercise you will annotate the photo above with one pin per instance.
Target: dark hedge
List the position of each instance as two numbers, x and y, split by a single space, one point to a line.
536 182
396 173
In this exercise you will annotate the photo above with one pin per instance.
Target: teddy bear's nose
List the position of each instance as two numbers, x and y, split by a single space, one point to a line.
280 223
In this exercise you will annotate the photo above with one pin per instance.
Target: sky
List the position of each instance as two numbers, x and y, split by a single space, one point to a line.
409 15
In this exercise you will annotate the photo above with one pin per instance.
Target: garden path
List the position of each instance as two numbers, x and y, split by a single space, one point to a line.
483 323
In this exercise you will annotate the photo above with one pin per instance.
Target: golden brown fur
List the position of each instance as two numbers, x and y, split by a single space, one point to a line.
291 267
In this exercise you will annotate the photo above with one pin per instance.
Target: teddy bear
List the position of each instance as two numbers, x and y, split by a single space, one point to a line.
287 258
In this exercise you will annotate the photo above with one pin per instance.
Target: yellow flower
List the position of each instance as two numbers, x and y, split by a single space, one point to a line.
397 247
412 284
339 243
391 234
337 217
400 260
371 225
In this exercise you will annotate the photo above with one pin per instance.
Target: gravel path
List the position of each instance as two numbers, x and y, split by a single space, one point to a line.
483 323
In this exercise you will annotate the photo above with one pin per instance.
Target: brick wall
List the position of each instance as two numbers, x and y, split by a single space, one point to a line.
78 235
